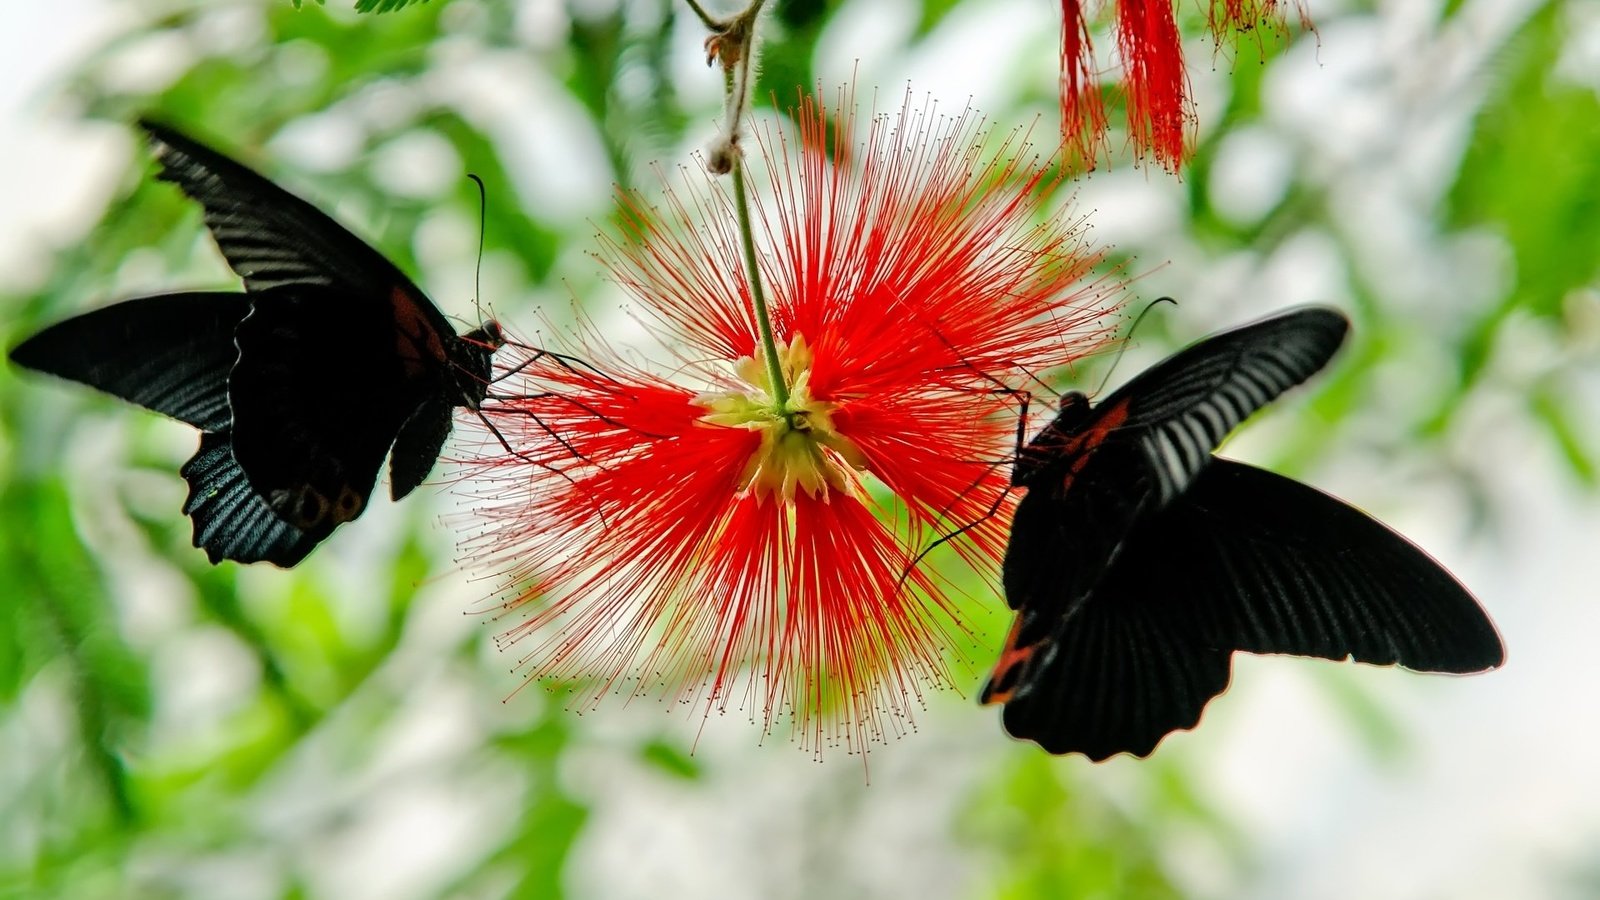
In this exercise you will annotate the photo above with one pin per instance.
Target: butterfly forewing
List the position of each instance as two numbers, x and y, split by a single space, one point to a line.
1092 476
169 353
273 238
1179 411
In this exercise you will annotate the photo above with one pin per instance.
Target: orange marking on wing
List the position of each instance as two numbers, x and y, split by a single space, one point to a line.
1010 658
1082 445
1108 421
414 335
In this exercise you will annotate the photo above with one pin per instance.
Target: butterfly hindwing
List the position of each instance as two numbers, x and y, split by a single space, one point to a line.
466 383
307 435
417 446
232 521
169 353
1276 566
1113 678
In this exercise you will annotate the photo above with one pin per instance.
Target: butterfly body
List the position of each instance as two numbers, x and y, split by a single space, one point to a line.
329 362
1139 562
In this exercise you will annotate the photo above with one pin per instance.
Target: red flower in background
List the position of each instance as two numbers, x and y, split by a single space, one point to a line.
672 524
1154 79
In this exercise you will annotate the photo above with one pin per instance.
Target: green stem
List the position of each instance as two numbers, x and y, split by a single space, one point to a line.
736 86
706 18
758 298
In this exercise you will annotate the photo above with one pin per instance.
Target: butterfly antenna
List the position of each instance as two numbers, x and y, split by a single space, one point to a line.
483 227
1131 329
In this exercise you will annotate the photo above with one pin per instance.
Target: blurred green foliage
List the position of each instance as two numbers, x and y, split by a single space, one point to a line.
170 729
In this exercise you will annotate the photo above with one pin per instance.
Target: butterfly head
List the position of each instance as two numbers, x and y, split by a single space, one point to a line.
1052 442
488 334
473 356
1072 412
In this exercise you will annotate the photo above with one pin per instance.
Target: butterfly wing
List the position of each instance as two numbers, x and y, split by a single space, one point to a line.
1093 475
306 433
422 436
276 241
1277 566
1094 479
273 238
172 354
1066 530
417 446
291 448
1244 560
169 353
1082 670
232 521
1116 677
1178 411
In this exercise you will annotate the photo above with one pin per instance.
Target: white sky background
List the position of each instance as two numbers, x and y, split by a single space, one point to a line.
1498 796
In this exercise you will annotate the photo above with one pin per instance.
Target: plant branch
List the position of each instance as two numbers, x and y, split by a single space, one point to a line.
733 44
711 23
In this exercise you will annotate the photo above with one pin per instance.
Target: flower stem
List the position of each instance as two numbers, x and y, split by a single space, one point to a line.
758 298
705 17
734 43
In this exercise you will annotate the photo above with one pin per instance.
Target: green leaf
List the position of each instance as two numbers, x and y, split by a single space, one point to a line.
1052 837
671 760
383 6
1559 423
1532 170
56 573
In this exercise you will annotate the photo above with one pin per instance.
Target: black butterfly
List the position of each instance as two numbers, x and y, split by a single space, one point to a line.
300 386
1139 562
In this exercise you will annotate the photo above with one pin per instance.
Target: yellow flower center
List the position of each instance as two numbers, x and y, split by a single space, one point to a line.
800 447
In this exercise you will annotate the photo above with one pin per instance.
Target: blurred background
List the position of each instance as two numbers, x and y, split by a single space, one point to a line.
346 730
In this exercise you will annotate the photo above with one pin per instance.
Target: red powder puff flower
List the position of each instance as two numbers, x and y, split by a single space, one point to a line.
1154 79
673 522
